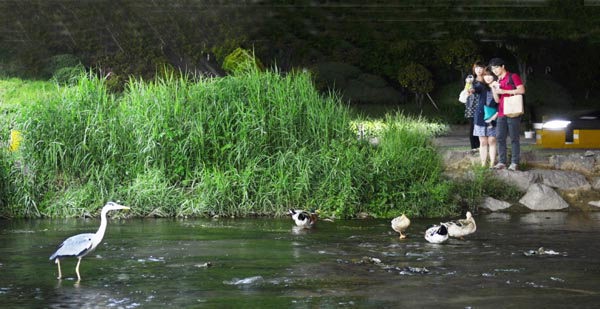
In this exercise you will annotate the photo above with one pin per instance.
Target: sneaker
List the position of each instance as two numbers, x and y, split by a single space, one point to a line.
499 166
513 167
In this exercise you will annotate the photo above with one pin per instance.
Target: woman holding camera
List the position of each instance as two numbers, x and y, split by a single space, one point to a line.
472 100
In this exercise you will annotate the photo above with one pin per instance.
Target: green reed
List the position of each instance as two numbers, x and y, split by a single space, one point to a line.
250 144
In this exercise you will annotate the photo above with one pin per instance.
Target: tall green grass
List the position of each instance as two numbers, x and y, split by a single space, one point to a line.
250 144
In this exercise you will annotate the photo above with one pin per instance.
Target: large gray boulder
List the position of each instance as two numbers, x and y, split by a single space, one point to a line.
542 197
564 180
493 204
520 179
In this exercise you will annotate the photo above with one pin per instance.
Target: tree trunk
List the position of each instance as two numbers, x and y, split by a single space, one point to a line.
419 100
522 64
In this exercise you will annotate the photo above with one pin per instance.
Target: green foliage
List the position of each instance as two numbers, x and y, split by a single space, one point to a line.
251 143
15 92
241 60
60 62
407 172
68 75
451 110
416 78
5 190
472 191
460 54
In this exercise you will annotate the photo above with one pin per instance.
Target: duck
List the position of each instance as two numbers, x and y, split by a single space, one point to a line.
400 224
462 227
437 234
303 219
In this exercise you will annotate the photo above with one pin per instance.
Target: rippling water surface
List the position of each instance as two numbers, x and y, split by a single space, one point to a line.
268 263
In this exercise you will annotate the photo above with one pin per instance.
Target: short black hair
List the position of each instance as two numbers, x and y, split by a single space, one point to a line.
496 62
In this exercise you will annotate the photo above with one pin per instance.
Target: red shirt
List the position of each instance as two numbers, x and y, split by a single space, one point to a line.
504 84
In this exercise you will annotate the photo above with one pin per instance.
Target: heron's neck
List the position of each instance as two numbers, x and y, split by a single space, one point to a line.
100 233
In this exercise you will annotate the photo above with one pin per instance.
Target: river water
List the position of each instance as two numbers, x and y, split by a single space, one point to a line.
266 263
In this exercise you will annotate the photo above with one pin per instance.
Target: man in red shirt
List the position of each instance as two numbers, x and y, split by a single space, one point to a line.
509 84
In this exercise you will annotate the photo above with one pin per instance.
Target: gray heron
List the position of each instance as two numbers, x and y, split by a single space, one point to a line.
82 244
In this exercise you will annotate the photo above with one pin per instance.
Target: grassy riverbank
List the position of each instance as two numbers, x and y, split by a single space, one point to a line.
253 144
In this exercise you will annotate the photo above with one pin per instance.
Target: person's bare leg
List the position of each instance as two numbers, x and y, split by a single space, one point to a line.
492 145
77 269
59 272
483 149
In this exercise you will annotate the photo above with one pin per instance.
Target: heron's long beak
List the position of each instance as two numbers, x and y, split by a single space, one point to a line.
119 206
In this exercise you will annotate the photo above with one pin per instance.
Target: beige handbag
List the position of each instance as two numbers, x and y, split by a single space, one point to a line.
513 106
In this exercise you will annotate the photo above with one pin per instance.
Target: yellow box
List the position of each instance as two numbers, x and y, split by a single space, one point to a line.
557 139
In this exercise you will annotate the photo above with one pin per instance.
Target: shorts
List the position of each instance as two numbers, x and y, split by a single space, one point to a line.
484 131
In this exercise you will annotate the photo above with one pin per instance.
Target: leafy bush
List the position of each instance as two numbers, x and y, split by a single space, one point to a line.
251 143
68 75
417 79
58 62
460 54
241 60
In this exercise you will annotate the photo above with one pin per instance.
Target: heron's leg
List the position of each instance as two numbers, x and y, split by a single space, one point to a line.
59 272
77 269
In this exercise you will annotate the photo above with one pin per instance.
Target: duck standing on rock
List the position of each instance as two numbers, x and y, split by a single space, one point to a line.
304 219
462 227
437 234
400 224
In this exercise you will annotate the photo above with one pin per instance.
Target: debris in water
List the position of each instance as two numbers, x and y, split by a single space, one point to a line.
509 270
534 285
245 281
557 279
204 265
367 260
542 251
416 270
407 270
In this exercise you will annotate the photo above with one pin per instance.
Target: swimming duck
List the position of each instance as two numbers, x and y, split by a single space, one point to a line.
437 234
462 227
400 224
304 219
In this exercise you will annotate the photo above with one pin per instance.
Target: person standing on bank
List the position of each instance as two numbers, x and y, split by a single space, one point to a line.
509 84
472 101
486 132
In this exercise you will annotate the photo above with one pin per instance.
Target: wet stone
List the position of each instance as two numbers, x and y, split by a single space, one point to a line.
565 180
594 203
596 183
581 163
493 204
520 179
542 197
